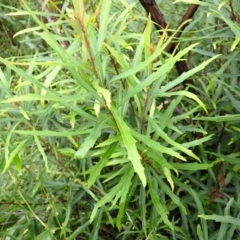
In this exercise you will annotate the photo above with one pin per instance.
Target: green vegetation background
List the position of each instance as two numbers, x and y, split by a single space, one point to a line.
97 139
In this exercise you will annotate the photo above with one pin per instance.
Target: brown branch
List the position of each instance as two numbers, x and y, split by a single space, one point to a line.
188 15
233 15
157 17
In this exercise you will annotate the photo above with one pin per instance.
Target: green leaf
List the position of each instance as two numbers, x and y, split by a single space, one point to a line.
165 137
18 163
104 16
8 160
168 113
42 151
105 93
219 218
225 118
44 236
121 212
233 26
156 157
168 191
143 208
235 43
49 79
78 231
168 175
161 71
197 142
90 140
129 143
196 2
119 190
201 211
234 102
65 56
96 170
96 225
199 232
14 156
52 133
186 75
130 194
156 200
156 146
192 166
186 94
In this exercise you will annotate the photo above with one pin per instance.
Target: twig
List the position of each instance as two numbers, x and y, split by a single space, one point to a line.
156 15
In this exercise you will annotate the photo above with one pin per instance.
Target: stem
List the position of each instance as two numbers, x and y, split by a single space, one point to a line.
151 7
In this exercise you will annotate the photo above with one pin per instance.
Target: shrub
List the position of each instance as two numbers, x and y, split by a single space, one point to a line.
98 138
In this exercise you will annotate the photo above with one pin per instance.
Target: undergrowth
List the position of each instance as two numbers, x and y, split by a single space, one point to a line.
99 139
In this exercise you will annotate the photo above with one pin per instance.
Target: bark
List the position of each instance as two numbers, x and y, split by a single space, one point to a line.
157 17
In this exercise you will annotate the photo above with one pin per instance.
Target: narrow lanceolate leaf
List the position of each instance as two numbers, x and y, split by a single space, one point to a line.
168 175
201 211
130 189
97 107
96 170
42 151
114 194
165 137
156 200
130 144
8 145
225 118
192 166
234 27
218 218
49 79
156 146
186 75
168 191
104 16
51 133
96 225
105 93
186 94
90 140
14 154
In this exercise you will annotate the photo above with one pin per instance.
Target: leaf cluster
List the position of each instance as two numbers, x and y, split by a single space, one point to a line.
98 139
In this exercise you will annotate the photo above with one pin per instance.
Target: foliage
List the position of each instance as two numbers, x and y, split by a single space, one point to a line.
98 141
9 26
